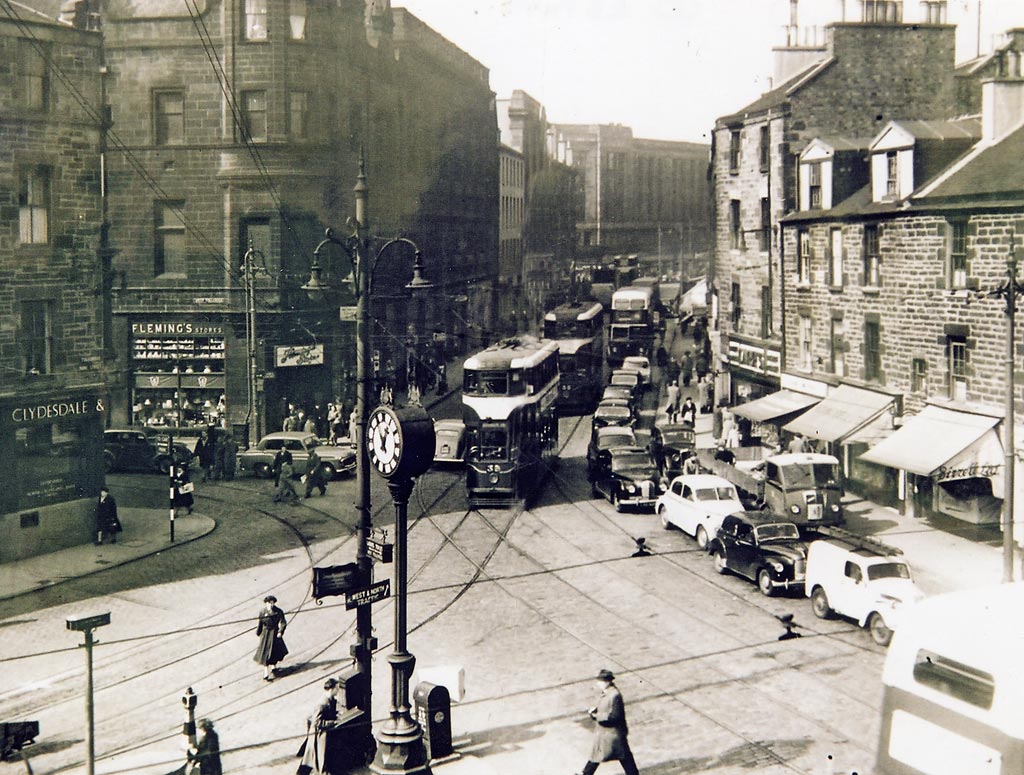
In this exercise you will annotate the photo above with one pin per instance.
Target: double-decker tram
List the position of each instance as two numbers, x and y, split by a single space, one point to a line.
632 327
578 329
509 392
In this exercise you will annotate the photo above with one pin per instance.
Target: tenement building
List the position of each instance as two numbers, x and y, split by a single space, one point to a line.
889 320
53 396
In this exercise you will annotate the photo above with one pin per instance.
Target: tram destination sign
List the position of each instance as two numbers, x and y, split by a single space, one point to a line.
367 595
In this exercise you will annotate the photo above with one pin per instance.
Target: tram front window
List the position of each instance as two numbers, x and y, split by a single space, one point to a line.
484 383
493 444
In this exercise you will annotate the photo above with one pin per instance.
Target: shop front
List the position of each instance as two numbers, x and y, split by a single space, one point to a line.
949 462
768 414
52 445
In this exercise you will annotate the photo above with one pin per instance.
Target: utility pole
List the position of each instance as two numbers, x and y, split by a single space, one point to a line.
86 625
248 274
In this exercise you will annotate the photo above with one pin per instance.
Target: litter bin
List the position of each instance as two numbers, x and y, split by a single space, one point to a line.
434 713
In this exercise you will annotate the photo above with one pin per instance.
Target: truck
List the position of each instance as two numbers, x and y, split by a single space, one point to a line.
860 578
804 486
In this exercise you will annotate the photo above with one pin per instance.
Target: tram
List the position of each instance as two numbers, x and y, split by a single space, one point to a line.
508 404
632 327
579 331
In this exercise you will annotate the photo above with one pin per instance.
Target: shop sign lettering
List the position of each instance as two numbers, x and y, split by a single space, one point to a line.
302 355
760 360
57 410
972 471
183 328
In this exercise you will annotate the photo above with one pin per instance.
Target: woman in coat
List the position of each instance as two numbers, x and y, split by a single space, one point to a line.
611 732
106 517
270 630
206 754
324 718
182 498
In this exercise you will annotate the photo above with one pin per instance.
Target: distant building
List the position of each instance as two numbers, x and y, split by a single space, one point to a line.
53 391
511 216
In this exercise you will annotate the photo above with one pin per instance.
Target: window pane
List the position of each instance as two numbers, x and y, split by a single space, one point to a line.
297 19
33 74
169 239
297 112
256 19
170 118
254 115
35 336
33 206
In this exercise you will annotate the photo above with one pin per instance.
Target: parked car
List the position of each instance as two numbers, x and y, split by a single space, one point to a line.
630 479
762 547
141 449
602 441
449 441
628 378
697 504
671 444
640 364
862 579
259 460
613 412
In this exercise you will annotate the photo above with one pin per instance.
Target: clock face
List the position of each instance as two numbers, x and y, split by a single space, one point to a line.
384 441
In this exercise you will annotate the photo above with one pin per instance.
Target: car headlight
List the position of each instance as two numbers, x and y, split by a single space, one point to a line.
777 566
631 488
795 509
493 477
675 458
835 507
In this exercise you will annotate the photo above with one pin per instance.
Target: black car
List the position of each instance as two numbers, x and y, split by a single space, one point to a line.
762 547
671 444
613 411
140 449
602 441
629 479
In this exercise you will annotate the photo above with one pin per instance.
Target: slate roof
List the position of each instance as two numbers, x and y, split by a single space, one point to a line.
968 127
996 171
780 94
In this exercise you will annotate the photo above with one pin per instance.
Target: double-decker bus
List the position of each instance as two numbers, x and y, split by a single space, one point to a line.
614 273
579 331
632 327
508 405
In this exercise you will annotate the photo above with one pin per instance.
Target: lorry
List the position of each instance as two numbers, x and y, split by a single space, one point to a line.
804 486
860 578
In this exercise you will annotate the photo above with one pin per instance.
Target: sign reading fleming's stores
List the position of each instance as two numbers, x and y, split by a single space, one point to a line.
56 410
183 328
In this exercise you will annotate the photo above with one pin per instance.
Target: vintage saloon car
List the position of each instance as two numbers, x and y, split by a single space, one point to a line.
762 547
602 441
613 411
697 504
259 460
671 444
630 479
140 449
628 378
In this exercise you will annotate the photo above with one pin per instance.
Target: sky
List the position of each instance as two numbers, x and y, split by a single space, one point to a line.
667 68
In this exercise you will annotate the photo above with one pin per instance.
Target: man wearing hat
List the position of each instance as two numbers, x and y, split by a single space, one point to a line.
610 734
206 753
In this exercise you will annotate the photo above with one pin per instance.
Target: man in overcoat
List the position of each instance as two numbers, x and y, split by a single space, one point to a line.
611 733
106 517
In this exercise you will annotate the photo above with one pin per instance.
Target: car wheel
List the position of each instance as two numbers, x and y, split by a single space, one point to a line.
663 514
702 537
764 582
262 470
720 564
819 603
108 462
329 471
880 632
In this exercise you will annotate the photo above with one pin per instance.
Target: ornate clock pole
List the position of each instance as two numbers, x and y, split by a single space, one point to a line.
400 443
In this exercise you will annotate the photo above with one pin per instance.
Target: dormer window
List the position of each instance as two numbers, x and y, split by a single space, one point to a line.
892 174
814 185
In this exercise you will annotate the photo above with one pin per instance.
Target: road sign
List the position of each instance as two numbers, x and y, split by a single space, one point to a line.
347 313
335 580
381 551
367 595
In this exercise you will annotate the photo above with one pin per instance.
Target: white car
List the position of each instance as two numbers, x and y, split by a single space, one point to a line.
639 363
697 504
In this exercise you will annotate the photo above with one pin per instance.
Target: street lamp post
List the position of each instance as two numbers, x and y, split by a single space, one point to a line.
86 625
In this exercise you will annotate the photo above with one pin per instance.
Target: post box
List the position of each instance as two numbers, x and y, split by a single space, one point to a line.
433 712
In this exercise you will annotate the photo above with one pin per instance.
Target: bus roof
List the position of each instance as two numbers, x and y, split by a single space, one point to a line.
632 292
587 310
512 354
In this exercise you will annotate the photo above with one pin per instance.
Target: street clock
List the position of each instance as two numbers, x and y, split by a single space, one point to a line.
400 442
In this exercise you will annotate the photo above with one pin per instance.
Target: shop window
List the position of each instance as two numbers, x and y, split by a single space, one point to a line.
298 115
255 21
34 206
957 271
838 347
872 350
919 375
33 75
297 10
734 151
169 117
806 363
36 336
957 349
169 239
254 116
872 259
765 233
803 257
735 230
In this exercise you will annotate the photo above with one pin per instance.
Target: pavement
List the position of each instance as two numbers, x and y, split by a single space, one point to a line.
944 557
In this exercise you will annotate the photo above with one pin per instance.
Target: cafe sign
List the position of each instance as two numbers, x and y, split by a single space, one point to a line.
299 355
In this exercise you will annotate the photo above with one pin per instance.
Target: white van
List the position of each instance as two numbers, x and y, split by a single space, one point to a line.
860 578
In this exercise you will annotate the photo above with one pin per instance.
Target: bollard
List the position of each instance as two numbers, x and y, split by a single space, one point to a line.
189 700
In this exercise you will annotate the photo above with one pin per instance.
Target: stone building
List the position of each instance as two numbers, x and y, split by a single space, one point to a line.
861 76
53 392
888 319
243 124
510 304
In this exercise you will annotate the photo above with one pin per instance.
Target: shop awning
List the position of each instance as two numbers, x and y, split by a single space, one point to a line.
932 438
845 410
775 405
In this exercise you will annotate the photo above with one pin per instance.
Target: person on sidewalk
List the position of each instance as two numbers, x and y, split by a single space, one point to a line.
106 517
204 451
181 488
271 648
611 735
686 369
796 444
314 749
206 754
230 457
315 474
286 487
703 395
688 413
672 401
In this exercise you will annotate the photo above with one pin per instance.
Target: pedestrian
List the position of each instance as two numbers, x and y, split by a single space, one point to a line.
672 407
724 454
279 458
206 753
661 356
218 453
796 444
686 369
315 474
205 453
690 465
291 420
309 425
703 395
611 735
732 432
270 630
700 365
181 488
106 517
230 456
700 330
286 489
414 394
689 411
353 425
314 748
442 378
387 397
